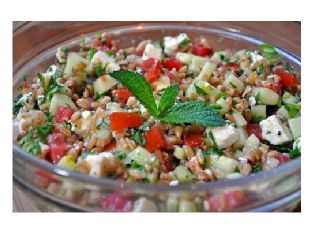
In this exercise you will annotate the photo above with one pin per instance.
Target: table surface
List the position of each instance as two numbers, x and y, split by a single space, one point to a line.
21 202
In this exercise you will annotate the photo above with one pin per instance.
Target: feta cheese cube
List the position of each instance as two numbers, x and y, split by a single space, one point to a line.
161 83
105 60
224 136
152 51
172 43
274 131
96 162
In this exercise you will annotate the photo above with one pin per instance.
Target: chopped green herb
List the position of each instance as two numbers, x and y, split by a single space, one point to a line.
223 95
214 149
102 124
18 104
100 71
135 165
293 110
29 144
261 70
98 35
43 132
257 167
291 69
120 155
65 49
92 52
224 58
199 90
184 42
233 85
294 153
257 97
99 95
269 52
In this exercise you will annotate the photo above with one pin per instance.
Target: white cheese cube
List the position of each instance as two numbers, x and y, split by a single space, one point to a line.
161 83
224 136
105 60
152 51
96 162
171 45
274 131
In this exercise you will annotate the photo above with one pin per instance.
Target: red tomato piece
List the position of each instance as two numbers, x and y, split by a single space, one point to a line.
282 158
217 203
200 50
108 40
287 79
154 73
139 53
171 63
154 139
110 147
147 64
46 175
230 65
96 43
122 95
193 140
116 203
63 113
57 146
254 128
123 120
234 199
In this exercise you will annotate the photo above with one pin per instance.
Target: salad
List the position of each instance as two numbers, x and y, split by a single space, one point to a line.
170 111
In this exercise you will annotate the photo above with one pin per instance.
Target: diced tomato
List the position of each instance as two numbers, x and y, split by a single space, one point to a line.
154 73
277 87
108 40
170 75
171 63
63 113
46 175
116 203
57 146
122 95
217 203
123 120
147 64
193 140
283 158
165 160
254 128
110 147
200 50
154 139
288 80
96 43
234 199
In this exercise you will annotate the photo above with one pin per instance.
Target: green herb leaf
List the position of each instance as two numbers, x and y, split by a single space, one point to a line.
214 149
42 81
291 69
293 110
223 95
168 98
261 69
120 155
29 144
99 70
43 132
294 153
269 52
257 97
135 165
184 42
139 87
92 52
18 104
257 167
193 112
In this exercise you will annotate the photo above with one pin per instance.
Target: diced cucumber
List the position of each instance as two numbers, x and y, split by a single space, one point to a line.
194 62
242 138
258 113
187 206
207 87
226 164
172 204
207 70
182 174
73 59
103 84
152 177
266 96
217 56
224 106
283 113
295 126
67 162
252 142
179 153
210 160
233 175
232 81
239 119
297 144
288 98
61 100
141 156
104 135
241 53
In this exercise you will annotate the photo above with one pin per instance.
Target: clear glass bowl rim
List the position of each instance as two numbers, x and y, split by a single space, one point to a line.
110 183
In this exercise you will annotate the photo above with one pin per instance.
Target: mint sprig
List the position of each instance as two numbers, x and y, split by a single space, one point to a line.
168 109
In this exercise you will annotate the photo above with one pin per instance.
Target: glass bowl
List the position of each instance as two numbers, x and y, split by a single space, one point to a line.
49 188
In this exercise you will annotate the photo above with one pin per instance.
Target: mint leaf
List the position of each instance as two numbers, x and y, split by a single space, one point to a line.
139 87
168 98
193 112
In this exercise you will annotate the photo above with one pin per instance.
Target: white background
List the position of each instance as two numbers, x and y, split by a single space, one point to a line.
152 10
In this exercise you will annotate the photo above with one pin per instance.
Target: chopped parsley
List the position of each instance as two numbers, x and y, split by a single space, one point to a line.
257 97
100 71
18 104
200 91
99 95
233 85
293 110
257 167
225 58
294 153
138 136
290 68
120 155
214 149
43 132
137 166
261 70
184 42
52 87
102 124
30 144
